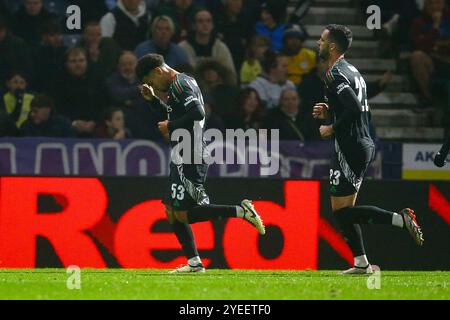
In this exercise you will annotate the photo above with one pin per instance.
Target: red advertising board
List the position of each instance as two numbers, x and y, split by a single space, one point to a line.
100 223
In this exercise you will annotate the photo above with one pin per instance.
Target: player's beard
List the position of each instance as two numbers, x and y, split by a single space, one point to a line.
324 54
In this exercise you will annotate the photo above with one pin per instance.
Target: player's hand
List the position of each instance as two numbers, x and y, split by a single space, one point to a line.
163 127
439 160
147 92
326 132
320 111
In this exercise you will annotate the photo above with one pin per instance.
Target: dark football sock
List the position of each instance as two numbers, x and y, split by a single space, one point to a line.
185 237
210 212
366 215
352 234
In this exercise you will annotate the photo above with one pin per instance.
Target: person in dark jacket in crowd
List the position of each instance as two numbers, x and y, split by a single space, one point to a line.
102 52
163 30
291 123
127 23
249 112
80 93
123 89
49 57
113 126
29 19
44 122
15 54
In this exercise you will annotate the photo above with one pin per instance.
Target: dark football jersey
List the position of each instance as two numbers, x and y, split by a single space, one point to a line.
183 96
346 94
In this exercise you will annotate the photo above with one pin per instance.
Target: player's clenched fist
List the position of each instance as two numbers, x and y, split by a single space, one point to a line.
163 127
320 111
147 92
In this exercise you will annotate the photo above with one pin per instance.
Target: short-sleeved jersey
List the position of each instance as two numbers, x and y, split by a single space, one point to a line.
354 132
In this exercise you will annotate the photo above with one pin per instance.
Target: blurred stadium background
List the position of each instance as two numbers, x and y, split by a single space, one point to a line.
76 137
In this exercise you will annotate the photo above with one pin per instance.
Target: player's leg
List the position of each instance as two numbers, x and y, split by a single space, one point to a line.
175 198
210 212
343 196
185 237
352 234
192 189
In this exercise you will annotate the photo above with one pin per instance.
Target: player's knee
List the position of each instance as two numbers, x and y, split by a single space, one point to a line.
181 216
339 209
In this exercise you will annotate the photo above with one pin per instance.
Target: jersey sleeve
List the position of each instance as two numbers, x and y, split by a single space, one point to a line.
338 84
186 92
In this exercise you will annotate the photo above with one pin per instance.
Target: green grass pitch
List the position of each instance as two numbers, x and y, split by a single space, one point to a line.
220 284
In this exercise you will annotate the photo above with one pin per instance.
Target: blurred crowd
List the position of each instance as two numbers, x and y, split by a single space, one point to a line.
247 56
420 31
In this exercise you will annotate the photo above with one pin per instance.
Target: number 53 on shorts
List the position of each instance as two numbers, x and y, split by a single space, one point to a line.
177 191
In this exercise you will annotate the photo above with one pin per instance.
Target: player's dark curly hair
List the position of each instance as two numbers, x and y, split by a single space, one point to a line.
147 63
341 35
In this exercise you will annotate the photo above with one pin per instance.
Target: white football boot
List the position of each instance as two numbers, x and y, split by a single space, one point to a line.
187 268
409 218
358 270
252 216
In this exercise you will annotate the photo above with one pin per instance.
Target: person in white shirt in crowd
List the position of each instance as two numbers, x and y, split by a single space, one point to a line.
203 43
274 80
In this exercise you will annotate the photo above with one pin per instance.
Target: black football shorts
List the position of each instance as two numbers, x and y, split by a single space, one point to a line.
185 187
347 170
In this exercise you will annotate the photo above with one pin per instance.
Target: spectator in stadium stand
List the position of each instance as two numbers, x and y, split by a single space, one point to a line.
217 81
182 14
235 29
28 21
300 60
103 52
252 65
312 88
44 122
162 31
91 10
203 43
80 93
7 126
123 89
113 126
49 57
431 39
291 122
122 85
249 112
396 18
271 23
16 101
15 54
127 23
274 80
212 120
